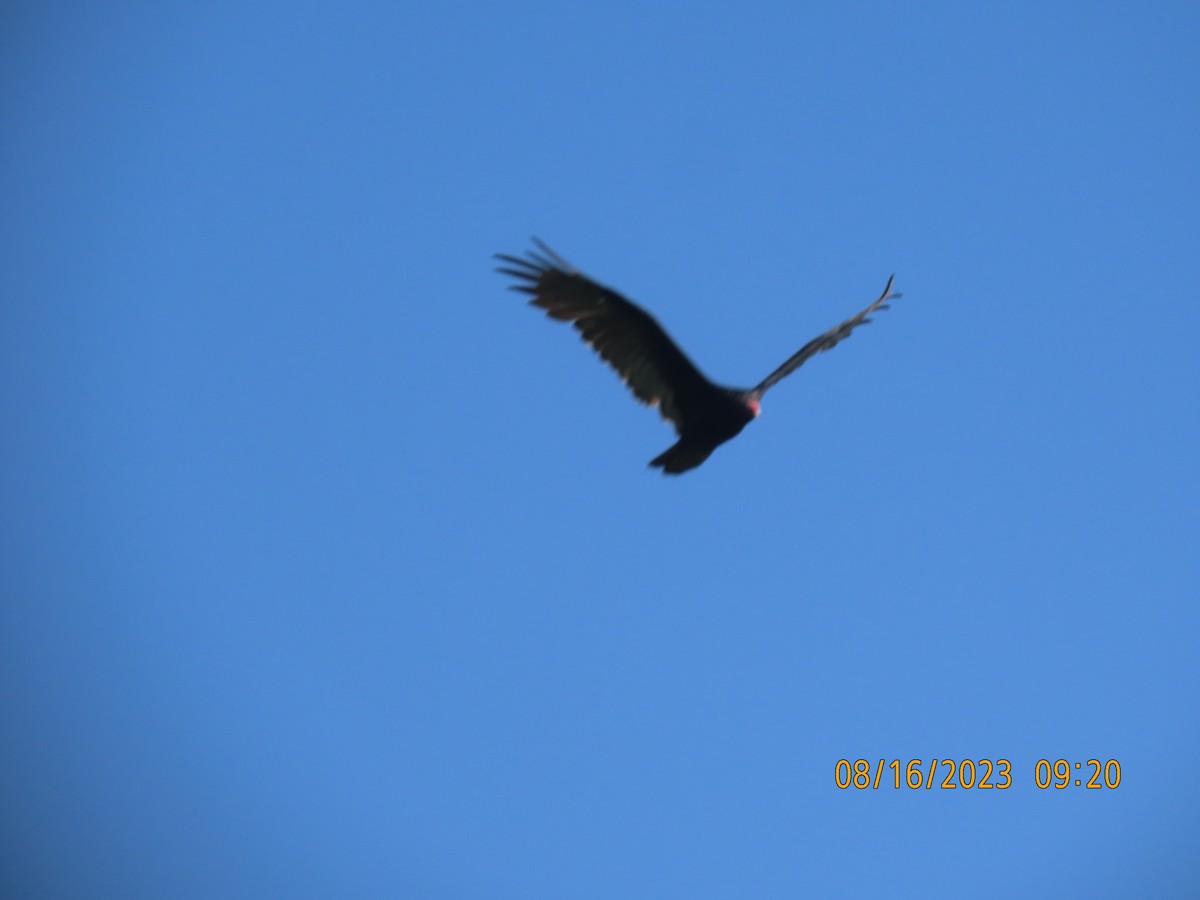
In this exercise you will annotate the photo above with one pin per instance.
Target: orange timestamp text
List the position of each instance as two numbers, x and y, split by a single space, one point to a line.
945 774
978 774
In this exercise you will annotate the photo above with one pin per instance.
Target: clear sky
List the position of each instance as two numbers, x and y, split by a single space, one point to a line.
330 569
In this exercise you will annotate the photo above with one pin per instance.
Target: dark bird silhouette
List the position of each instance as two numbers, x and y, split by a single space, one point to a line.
628 338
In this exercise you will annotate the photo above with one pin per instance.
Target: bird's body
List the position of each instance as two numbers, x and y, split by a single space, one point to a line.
714 419
705 414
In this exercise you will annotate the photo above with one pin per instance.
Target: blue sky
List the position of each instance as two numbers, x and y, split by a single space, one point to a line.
332 570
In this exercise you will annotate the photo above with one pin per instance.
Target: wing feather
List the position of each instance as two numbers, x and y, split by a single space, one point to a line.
828 339
622 333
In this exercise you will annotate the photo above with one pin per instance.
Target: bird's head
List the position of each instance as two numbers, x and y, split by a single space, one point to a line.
752 402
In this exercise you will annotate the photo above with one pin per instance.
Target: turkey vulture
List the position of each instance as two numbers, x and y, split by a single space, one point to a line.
705 415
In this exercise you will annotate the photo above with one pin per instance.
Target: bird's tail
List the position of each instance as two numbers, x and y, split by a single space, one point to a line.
680 457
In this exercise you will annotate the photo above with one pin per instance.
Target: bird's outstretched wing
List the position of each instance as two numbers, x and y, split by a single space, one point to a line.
626 336
827 340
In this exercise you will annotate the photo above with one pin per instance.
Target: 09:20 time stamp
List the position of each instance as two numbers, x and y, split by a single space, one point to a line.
981 774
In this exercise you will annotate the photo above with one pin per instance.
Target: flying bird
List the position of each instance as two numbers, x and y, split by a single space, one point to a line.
629 339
